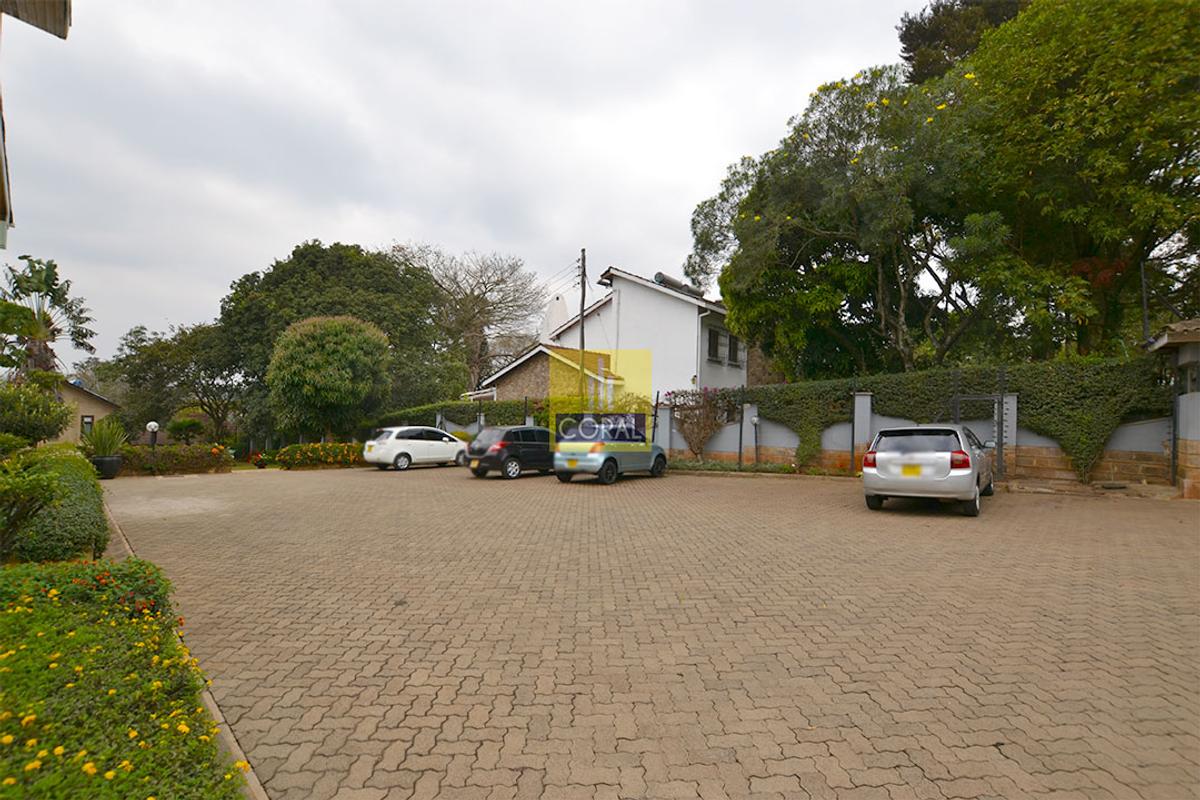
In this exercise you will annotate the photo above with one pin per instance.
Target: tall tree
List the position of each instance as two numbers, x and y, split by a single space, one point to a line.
399 297
143 378
489 306
208 375
52 315
844 249
947 31
1088 137
328 374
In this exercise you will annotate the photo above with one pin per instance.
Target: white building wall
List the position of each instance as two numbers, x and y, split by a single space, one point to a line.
639 317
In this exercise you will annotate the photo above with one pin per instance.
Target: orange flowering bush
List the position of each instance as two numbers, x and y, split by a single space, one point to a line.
320 455
98 697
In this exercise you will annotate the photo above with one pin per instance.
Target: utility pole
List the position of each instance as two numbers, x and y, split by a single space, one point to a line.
582 303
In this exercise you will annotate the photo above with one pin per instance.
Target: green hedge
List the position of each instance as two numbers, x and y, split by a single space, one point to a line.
99 699
320 456
1078 403
175 459
460 412
77 525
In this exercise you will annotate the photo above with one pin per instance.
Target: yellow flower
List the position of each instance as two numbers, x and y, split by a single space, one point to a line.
70 685
53 665
928 120
885 101
31 742
58 751
89 768
126 765
183 728
6 739
27 720
970 76
132 733
242 765
111 692
9 781
32 765
940 107
108 776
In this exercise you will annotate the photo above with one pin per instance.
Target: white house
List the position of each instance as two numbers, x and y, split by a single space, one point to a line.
684 333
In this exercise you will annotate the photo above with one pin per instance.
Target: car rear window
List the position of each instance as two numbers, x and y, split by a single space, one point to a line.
383 435
917 441
490 436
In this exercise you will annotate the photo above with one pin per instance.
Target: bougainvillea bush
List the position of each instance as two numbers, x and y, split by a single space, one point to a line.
320 455
98 697
175 459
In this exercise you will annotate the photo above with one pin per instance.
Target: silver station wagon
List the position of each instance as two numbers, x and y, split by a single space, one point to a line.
944 462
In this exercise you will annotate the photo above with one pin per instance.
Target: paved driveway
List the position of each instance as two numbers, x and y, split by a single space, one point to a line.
428 634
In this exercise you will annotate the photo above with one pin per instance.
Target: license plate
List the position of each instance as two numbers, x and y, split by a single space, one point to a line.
910 470
572 462
474 463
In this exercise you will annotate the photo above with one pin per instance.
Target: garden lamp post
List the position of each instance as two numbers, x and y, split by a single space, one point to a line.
152 427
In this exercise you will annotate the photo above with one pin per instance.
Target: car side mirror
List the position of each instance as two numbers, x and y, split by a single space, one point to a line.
989 445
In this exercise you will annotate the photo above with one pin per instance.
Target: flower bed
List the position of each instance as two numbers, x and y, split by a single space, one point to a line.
99 699
175 459
320 456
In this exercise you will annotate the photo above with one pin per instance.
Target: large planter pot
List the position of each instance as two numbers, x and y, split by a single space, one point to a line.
107 466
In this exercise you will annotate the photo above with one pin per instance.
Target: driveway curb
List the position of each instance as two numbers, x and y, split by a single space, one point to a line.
226 740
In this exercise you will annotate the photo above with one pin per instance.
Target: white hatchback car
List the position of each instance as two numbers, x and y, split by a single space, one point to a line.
946 462
403 447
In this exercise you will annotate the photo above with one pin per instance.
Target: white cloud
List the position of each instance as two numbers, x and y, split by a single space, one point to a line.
167 148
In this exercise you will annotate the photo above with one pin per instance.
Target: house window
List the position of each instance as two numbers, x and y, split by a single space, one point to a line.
714 344
86 422
734 350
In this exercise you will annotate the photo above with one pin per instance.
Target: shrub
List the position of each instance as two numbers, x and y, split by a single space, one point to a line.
318 455
106 438
10 444
175 459
465 436
31 413
27 488
185 429
101 700
75 526
460 412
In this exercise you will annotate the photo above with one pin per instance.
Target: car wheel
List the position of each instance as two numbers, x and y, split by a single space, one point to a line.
660 467
478 472
971 507
874 502
564 477
403 461
609 472
990 489
511 468
460 459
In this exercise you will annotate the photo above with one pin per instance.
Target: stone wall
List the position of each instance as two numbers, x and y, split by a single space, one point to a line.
528 380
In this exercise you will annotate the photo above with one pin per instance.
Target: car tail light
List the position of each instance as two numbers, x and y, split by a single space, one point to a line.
960 460
497 447
869 458
596 448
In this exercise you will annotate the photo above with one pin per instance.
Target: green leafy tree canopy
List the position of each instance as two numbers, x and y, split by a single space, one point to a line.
327 374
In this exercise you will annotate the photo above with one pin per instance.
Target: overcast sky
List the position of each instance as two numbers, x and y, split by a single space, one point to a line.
168 147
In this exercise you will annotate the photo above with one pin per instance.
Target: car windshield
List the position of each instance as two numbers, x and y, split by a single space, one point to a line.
490 436
917 441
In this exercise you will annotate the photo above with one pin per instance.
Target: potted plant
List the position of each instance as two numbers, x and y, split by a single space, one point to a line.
103 445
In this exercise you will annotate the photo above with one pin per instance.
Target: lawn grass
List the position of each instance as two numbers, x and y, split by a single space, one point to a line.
98 697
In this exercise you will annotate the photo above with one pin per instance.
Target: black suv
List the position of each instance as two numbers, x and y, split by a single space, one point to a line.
511 451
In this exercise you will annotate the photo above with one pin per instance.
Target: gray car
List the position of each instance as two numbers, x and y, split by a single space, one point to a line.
945 462
608 458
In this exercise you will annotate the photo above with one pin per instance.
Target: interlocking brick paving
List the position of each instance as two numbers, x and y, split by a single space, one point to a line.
427 634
